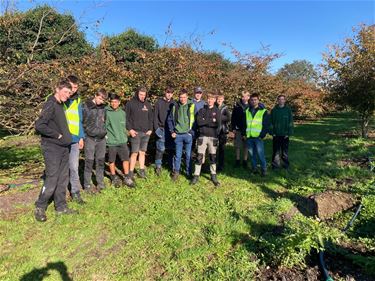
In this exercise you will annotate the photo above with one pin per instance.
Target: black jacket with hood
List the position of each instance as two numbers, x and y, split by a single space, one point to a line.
139 115
238 121
94 119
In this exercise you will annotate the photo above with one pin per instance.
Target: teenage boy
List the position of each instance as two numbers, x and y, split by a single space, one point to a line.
117 140
95 143
139 122
281 129
74 116
223 131
257 124
55 143
238 126
164 140
180 123
208 121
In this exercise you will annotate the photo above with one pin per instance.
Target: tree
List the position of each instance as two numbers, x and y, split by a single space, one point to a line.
350 74
298 70
40 34
125 45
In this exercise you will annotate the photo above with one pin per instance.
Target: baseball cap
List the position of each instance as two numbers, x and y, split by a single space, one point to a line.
198 90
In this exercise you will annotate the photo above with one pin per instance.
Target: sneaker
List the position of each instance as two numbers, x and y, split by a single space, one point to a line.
40 214
194 180
66 211
128 182
77 198
214 180
158 171
175 176
142 173
89 189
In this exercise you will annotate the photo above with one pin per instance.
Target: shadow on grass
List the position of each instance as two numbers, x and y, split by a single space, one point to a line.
38 274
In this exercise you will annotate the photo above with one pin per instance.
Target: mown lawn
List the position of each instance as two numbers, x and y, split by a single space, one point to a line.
167 231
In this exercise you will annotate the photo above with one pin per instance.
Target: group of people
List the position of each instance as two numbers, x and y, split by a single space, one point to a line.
189 127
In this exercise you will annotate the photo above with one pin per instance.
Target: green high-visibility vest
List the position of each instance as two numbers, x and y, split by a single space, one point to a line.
191 115
254 124
72 116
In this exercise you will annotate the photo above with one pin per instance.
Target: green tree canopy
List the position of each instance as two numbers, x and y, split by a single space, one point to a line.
298 70
40 34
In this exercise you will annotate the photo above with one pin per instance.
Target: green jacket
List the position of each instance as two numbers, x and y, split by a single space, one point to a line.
116 126
281 121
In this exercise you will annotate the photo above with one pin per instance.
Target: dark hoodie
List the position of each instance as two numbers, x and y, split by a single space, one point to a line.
139 115
52 123
161 111
205 121
94 120
238 121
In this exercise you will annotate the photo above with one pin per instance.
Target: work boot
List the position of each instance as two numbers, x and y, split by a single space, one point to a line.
77 198
116 181
40 214
194 180
66 211
128 182
158 171
142 173
175 175
214 180
131 175
244 164
89 189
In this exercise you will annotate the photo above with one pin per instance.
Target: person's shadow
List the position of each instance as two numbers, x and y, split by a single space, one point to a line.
38 274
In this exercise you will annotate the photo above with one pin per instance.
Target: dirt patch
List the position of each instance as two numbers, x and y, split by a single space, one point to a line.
331 202
286 274
17 203
362 162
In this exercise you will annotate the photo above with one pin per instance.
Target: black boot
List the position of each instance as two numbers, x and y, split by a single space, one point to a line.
175 175
158 171
40 214
116 182
214 180
194 180
142 173
77 198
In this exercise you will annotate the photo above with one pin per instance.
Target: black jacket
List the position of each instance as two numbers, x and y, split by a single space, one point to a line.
139 115
161 111
209 121
94 120
225 117
52 123
238 121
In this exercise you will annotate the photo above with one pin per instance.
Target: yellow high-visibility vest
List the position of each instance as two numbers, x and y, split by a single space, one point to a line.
72 116
254 124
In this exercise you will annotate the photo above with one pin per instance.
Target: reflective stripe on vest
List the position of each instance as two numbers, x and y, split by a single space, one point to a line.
254 125
72 116
192 116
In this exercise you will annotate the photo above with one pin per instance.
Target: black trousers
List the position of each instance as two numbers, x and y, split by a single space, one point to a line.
280 151
56 160
220 151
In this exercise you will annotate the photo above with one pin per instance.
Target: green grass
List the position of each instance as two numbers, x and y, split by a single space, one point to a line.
166 231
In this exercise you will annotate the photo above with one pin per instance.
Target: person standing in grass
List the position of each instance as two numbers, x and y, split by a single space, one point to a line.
117 140
208 122
180 123
95 142
56 141
257 124
74 115
139 123
281 129
238 123
164 140
223 131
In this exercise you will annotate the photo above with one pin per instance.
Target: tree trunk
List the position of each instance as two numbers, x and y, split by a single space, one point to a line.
364 125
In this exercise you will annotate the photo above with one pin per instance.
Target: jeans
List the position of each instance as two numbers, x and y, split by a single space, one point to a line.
75 183
56 159
255 147
164 141
183 143
280 150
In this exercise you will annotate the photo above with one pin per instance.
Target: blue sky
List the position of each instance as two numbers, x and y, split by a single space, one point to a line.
297 29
